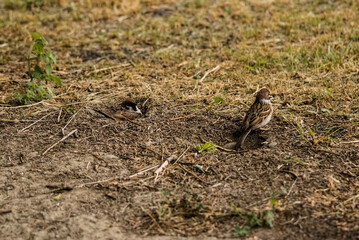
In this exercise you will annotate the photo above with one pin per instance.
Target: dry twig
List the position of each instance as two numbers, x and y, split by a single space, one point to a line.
181 155
143 171
355 141
109 68
222 148
160 169
111 117
352 198
14 120
32 124
59 116
62 139
176 118
295 180
208 72
5 211
68 122
153 219
25 106
193 174
96 182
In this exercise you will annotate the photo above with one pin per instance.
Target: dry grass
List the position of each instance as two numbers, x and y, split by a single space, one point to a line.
306 52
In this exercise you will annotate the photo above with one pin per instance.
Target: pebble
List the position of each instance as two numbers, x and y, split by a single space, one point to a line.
230 145
272 144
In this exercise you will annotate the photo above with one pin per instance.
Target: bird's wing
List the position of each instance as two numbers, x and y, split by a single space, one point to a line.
257 114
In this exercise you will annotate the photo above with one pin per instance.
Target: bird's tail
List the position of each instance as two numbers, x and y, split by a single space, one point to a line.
242 138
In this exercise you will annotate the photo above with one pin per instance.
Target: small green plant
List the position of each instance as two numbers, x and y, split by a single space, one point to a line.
41 53
39 73
23 4
29 4
264 218
315 138
241 231
312 134
188 206
74 11
206 147
216 100
329 92
32 93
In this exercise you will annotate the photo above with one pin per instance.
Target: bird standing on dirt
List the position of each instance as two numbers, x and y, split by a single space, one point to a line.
129 110
258 115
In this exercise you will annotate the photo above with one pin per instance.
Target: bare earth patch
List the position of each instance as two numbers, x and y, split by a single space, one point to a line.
90 176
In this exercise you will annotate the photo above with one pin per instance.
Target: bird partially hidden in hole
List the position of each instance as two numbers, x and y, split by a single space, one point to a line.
258 115
128 111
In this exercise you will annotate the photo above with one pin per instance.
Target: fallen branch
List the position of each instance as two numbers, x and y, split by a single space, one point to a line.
62 139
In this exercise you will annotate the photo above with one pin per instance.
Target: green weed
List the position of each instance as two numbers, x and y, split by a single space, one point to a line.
206 147
40 53
190 205
308 134
263 218
33 93
43 56
216 101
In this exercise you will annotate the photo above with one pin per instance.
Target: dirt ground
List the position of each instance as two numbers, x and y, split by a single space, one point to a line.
68 172
91 171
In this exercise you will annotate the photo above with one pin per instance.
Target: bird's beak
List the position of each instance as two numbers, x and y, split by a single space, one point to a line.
138 110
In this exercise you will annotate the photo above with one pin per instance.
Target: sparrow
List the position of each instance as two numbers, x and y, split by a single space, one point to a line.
129 110
258 115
